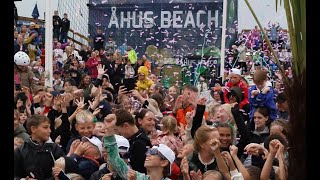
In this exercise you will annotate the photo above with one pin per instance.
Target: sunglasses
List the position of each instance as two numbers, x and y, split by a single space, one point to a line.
154 151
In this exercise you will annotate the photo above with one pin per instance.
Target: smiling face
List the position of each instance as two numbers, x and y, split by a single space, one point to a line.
172 90
225 136
148 122
85 129
99 129
154 159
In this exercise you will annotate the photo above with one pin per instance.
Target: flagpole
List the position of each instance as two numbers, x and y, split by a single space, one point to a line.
223 38
48 44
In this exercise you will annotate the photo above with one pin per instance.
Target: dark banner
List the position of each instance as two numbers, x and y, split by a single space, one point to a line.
166 30
232 23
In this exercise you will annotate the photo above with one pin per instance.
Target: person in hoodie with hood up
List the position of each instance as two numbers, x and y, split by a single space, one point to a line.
144 83
35 158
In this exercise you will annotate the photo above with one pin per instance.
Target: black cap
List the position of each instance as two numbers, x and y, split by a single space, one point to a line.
281 98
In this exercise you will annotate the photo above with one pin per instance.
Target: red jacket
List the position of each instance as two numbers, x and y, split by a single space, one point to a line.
92 64
243 85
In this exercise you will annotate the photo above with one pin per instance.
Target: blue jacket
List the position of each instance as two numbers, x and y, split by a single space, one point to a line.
266 100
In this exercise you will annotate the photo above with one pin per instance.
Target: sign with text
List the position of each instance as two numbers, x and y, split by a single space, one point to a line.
182 28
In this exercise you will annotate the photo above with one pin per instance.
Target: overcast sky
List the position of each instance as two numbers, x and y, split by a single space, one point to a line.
25 7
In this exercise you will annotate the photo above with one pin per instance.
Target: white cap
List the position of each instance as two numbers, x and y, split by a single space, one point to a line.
235 71
122 143
95 141
166 152
21 58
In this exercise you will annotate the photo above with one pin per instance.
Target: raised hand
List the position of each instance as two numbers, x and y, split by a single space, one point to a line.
196 175
122 91
80 103
266 90
202 101
101 70
227 157
254 149
96 111
233 150
110 122
254 93
36 99
184 166
178 103
131 175
189 117
55 172
215 145
74 146
82 147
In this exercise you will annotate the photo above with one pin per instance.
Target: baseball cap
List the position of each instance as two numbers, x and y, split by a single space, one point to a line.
166 152
281 98
32 24
122 143
235 71
95 141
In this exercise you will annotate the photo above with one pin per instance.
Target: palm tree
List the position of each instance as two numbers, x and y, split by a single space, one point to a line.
295 88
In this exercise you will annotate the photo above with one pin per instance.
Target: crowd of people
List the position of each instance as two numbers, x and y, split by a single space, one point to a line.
107 116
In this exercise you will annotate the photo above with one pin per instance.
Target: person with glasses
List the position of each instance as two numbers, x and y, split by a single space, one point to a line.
158 158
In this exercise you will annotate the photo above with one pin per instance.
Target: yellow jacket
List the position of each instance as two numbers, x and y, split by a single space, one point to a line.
144 85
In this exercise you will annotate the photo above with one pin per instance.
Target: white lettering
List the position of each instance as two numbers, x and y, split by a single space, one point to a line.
198 19
213 18
177 19
165 19
113 19
148 23
139 17
125 20
189 20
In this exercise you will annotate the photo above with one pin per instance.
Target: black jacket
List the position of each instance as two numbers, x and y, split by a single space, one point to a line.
63 130
56 22
98 174
139 144
195 164
65 25
31 158
16 47
98 41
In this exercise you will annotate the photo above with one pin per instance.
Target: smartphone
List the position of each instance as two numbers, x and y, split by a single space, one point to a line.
129 84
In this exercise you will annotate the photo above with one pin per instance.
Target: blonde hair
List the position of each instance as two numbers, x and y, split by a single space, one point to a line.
227 108
212 109
84 116
170 124
212 172
202 135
